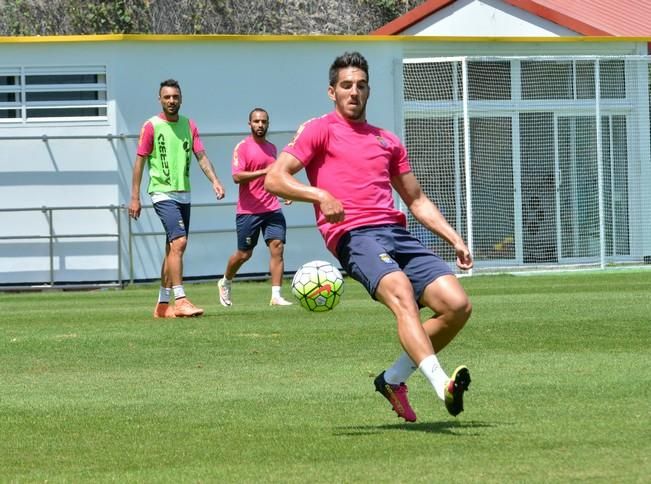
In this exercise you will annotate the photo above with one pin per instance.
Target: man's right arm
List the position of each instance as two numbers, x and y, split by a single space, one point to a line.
247 176
239 166
280 181
144 149
136 179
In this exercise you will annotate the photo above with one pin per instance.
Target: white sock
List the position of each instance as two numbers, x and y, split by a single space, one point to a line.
164 294
179 292
227 282
275 291
402 369
431 368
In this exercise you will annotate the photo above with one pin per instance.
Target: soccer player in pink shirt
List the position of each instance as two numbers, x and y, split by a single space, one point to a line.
352 167
257 209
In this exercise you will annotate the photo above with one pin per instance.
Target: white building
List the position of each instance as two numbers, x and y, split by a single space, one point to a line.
71 109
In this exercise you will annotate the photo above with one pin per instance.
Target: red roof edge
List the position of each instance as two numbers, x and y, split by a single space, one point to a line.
563 20
415 15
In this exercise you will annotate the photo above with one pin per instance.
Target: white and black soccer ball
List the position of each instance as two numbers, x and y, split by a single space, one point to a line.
318 286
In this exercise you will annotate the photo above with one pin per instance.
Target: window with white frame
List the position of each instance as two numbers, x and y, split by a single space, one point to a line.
36 94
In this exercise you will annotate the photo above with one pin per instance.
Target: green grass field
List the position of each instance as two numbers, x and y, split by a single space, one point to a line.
92 389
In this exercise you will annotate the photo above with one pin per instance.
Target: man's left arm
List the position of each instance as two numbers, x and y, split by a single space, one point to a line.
428 214
209 171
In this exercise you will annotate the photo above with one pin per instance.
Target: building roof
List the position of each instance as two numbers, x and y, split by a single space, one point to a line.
620 18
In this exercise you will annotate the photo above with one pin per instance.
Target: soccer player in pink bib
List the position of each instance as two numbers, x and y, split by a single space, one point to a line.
257 209
352 167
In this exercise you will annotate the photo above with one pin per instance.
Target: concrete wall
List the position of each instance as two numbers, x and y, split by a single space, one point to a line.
222 78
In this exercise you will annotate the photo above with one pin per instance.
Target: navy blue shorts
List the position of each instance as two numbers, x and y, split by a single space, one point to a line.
175 217
368 254
249 225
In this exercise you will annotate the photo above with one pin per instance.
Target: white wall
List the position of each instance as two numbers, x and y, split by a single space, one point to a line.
222 78
490 18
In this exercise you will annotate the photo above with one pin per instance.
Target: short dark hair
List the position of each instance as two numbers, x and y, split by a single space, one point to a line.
258 110
347 59
169 83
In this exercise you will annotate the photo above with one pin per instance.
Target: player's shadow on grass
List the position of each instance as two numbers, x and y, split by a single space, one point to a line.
456 427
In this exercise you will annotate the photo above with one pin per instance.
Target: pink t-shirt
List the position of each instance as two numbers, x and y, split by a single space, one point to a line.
249 155
146 141
355 163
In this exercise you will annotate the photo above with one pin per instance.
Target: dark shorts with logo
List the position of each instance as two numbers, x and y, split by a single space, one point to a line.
249 225
368 254
175 217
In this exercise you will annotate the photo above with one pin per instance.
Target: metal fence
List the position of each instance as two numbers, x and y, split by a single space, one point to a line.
123 235
29 234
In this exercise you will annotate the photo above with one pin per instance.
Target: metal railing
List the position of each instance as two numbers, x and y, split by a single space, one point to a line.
118 212
52 236
124 236
131 234
123 136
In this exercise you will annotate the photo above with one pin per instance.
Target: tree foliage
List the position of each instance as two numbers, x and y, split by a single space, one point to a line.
78 17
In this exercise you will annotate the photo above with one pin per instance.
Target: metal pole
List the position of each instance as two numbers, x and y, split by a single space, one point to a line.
600 167
457 157
130 242
613 193
557 193
117 212
48 212
466 142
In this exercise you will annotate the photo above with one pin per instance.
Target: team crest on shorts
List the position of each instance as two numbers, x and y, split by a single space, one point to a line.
386 258
248 241
181 224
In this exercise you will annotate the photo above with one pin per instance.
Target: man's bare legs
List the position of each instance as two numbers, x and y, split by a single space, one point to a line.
395 292
277 269
235 261
172 270
452 309
422 342
172 277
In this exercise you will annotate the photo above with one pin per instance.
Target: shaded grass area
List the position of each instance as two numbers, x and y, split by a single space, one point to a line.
93 389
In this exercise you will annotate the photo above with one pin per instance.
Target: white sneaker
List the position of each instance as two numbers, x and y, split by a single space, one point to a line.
279 301
224 293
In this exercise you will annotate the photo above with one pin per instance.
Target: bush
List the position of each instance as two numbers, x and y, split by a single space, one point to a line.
79 17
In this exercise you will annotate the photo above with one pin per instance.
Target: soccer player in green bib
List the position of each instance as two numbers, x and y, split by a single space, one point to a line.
166 144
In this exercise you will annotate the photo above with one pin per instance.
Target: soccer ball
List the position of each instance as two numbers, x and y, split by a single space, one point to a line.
318 286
